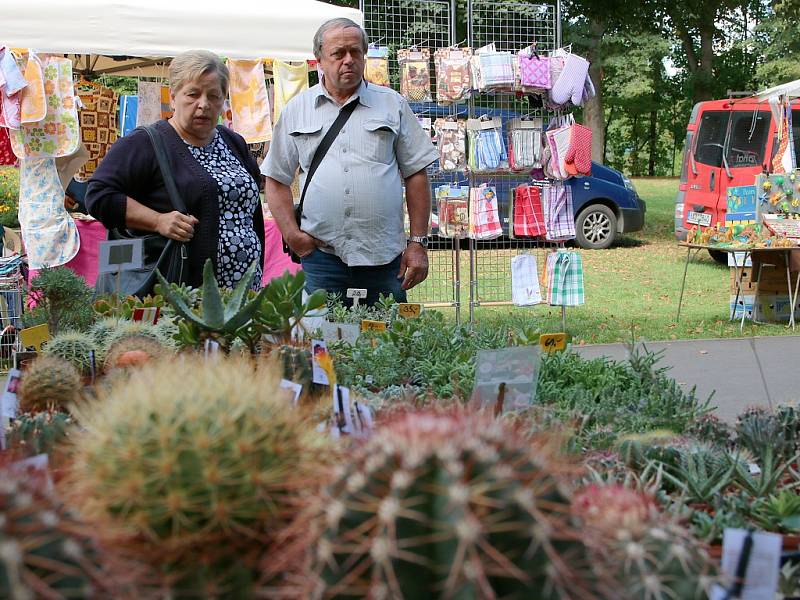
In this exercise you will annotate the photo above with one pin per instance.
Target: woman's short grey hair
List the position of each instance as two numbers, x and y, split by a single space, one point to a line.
337 23
191 65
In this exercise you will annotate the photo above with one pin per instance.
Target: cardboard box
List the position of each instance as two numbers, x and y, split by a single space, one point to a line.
747 283
773 308
745 303
773 280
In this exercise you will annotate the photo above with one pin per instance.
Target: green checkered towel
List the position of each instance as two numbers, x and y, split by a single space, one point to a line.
566 284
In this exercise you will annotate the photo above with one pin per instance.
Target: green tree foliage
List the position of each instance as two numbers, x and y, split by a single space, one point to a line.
778 44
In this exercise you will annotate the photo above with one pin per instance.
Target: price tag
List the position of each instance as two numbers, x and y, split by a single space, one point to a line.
120 255
356 294
760 565
9 404
409 310
553 342
211 349
34 337
367 325
294 389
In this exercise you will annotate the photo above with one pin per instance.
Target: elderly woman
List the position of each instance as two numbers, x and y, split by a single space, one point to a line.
214 172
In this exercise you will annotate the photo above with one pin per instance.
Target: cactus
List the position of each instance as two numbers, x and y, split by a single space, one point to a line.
448 505
102 330
44 552
188 463
49 383
295 363
145 347
220 318
709 428
760 431
74 347
41 433
648 555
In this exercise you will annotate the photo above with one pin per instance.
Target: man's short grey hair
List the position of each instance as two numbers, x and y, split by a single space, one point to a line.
337 23
193 64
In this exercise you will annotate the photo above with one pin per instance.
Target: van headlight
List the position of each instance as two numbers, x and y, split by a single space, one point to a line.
628 183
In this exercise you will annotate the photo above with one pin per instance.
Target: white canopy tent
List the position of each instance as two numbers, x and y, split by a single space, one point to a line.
140 32
790 90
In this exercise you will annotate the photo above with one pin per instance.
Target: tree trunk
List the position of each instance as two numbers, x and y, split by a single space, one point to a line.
605 134
704 75
653 134
593 110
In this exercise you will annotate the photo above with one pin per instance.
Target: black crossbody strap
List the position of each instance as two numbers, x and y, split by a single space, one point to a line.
166 172
325 144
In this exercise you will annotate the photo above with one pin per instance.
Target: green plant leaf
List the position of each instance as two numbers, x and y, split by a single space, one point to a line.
213 309
239 295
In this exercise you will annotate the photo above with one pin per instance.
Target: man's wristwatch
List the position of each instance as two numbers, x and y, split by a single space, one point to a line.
420 239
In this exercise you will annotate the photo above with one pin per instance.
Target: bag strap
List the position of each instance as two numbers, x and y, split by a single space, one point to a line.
325 144
166 172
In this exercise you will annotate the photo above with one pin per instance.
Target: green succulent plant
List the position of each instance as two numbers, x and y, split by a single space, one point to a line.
220 318
779 512
44 552
48 383
74 347
703 473
39 433
193 475
448 505
283 307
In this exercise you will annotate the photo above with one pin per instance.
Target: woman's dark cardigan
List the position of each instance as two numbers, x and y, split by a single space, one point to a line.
130 169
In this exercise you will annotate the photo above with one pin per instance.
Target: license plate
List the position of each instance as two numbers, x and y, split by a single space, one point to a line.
698 218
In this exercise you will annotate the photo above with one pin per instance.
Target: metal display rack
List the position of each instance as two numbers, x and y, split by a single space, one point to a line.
511 26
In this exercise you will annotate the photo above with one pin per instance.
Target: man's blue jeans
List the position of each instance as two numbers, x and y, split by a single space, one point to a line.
327 271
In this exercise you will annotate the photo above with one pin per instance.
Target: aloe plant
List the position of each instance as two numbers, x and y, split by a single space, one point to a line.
703 473
221 315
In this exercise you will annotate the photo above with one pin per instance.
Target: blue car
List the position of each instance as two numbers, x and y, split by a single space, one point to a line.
605 203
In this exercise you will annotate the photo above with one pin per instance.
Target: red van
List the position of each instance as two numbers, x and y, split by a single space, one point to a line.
728 143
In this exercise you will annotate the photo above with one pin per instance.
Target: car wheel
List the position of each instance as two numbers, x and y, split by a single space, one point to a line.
719 257
596 227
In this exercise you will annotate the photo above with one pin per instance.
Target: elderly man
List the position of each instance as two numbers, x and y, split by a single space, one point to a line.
351 234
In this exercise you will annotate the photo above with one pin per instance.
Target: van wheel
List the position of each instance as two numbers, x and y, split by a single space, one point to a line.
721 258
596 227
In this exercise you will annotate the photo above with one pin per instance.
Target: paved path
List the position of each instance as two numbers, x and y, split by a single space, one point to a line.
761 371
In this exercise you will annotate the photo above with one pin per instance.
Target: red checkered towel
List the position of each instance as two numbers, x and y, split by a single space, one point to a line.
528 213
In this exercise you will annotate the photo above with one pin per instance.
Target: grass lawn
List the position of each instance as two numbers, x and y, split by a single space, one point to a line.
632 289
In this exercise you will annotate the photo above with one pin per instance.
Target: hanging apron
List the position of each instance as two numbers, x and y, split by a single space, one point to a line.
48 231
33 106
249 101
58 134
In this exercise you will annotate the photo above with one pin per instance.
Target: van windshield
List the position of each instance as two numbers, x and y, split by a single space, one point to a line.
711 137
748 138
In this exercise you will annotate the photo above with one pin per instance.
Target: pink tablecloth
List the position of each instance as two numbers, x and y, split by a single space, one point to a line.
275 260
92 233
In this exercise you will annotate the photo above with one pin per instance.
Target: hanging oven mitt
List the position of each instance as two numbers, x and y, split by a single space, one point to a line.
578 159
571 81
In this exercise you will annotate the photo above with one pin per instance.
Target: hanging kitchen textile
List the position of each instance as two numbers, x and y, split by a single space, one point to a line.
527 214
453 210
249 102
58 133
377 68
566 283
166 103
128 107
451 141
484 217
290 80
12 82
48 231
558 213
7 156
578 159
534 70
33 104
415 75
524 144
453 79
148 111
525 290
98 119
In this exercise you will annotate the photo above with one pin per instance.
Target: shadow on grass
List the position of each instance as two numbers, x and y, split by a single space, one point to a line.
629 242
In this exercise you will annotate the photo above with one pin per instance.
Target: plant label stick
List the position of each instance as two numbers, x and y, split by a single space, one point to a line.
758 576
9 404
356 294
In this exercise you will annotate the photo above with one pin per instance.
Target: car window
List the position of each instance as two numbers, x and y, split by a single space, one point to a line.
687 147
748 139
711 137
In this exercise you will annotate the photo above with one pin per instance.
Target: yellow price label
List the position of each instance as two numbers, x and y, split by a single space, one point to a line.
409 310
35 336
553 342
367 325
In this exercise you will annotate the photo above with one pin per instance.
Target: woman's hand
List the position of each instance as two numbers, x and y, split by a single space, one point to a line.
176 226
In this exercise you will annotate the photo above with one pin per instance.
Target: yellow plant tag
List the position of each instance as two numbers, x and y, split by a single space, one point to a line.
553 342
367 325
35 336
409 310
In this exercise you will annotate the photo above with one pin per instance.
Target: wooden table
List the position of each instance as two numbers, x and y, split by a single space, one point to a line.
748 252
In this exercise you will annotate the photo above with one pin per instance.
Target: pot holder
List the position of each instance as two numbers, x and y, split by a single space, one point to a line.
50 235
571 81
534 71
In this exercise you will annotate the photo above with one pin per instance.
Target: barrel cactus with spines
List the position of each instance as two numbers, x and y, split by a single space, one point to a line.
44 552
39 433
74 347
648 554
49 383
449 505
133 350
295 363
102 329
188 463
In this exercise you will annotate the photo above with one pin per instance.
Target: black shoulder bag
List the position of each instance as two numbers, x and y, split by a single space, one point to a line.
319 154
165 255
